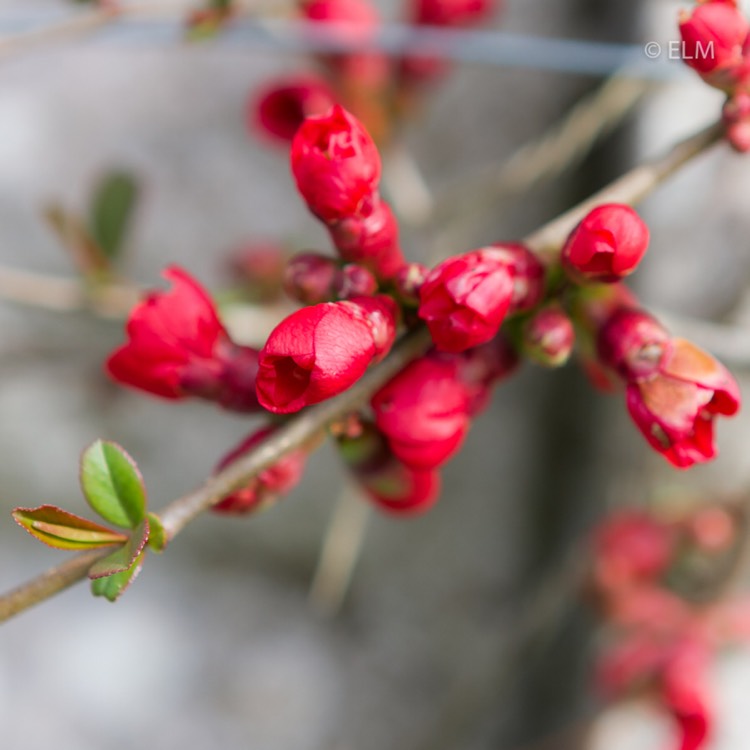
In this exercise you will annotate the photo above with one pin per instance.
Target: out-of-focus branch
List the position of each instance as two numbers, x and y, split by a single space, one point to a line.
340 551
109 300
73 25
563 146
77 24
304 428
631 188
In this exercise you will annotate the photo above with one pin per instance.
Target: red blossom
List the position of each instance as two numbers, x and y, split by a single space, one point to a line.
633 343
451 12
675 409
319 351
713 36
281 106
355 21
370 238
631 546
336 164
404 490
736 116
548 336
177 347
424 411
685 691
269 484
465 299
389 483
607 245
446 13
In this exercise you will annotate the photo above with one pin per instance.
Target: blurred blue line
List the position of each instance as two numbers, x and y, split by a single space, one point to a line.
496 48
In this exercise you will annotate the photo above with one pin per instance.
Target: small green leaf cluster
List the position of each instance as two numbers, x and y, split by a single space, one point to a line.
114 488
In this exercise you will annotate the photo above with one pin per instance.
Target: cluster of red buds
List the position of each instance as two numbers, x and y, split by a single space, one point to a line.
664 626
483 309
366 82
716 44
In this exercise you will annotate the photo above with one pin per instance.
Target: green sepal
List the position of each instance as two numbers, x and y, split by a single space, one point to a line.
112 207
62 530
111 587
157 538
123 557
112 484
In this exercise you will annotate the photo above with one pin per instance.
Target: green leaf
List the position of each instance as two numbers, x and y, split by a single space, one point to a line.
111 587
63 530
157 537
112 207
123 557
112 484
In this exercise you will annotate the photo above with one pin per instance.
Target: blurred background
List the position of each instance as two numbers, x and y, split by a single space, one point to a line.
458 630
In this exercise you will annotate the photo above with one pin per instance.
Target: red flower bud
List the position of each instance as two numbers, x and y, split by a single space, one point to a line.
631 546
633 344
311 278
408 281
335 163
370 238
548 337
423 412
465 299
319 351
269 484
607 245
353 280
527 273
451 12
358 13
380 313
686 693
281 106
355 21
713 36
736 115
177 347
391 485
675 409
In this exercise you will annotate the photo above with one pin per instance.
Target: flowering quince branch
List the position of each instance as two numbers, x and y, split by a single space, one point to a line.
630 189
664 624
473 369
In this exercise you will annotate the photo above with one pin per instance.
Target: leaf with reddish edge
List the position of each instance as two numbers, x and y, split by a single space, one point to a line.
157 536
62 530
123 557
111 587
112 484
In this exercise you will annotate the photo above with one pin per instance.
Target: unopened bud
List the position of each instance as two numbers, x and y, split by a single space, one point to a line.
633 344
310 278
548 337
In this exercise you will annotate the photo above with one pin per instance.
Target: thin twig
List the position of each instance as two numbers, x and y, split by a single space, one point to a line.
298 431
76 24
49 583
109 300
340 552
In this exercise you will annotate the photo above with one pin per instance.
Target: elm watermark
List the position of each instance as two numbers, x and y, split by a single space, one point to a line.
679 50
